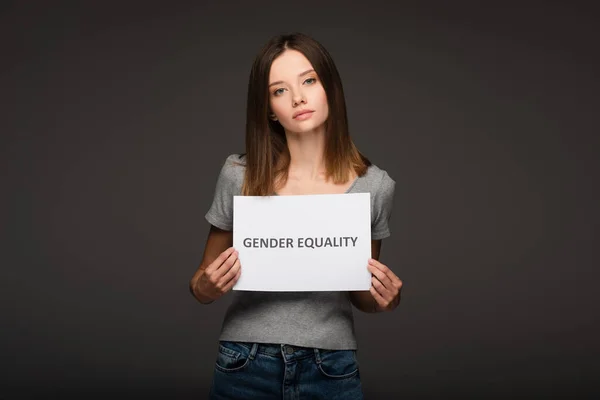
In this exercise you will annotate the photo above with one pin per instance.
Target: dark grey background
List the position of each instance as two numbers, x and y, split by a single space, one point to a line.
117 117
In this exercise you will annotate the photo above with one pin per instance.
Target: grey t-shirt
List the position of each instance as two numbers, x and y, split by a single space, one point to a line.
322 320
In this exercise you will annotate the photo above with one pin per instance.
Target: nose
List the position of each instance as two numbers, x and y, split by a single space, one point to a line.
298 98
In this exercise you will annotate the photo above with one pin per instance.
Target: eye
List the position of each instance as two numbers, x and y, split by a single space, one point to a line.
278 92
310 79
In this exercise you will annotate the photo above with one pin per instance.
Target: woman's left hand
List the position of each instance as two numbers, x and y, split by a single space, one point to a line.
385 286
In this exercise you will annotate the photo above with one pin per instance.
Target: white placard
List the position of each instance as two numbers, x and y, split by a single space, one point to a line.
303 243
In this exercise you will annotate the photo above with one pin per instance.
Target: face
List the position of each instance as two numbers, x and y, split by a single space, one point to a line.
295 87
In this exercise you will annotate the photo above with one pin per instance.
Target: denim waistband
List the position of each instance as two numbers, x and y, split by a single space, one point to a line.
280 350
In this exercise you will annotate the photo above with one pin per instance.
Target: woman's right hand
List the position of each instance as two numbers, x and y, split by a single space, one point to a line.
220 276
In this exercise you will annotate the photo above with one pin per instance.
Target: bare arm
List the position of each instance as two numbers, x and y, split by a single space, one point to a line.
217 243
363 300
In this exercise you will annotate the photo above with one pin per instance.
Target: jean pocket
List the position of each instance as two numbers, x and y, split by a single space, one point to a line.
232 356
338 364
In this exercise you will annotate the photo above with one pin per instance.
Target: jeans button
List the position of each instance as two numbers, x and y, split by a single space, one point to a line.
289 350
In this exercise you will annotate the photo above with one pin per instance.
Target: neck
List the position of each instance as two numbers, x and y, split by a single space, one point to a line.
307 151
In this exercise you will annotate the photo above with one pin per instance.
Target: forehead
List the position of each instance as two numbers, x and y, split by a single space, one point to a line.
288 65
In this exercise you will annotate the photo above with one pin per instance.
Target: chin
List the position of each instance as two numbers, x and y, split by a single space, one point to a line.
306 129
307 126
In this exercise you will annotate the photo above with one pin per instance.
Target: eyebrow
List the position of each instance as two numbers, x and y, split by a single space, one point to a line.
304 73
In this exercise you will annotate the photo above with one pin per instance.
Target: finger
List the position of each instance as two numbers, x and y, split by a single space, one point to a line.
228 263
385 292
220 260
377 264
378 298
231 273
389 289
384 268
232 282
222 269
381 276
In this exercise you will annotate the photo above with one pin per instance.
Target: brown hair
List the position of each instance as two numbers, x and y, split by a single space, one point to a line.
267 155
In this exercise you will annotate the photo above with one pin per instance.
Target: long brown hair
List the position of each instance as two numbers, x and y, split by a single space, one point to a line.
267 155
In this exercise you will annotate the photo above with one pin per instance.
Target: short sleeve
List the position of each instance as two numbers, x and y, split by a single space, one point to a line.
383 199
229 184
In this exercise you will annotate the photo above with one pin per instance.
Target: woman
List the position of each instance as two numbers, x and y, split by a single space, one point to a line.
293 344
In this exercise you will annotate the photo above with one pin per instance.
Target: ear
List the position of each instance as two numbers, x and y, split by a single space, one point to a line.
273 116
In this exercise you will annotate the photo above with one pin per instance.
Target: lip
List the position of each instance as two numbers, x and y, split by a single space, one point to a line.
302 112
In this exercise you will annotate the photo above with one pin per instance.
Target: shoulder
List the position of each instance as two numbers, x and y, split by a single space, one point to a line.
234 166
232 172
378 179
381 186
235 163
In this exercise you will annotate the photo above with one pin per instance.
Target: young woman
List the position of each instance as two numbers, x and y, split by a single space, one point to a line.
293 345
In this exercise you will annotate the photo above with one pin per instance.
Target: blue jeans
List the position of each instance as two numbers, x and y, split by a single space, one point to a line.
272 371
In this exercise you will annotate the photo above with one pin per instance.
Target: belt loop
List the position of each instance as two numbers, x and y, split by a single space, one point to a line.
253 351
317 356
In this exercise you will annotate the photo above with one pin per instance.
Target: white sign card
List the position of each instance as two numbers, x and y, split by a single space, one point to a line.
303 243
